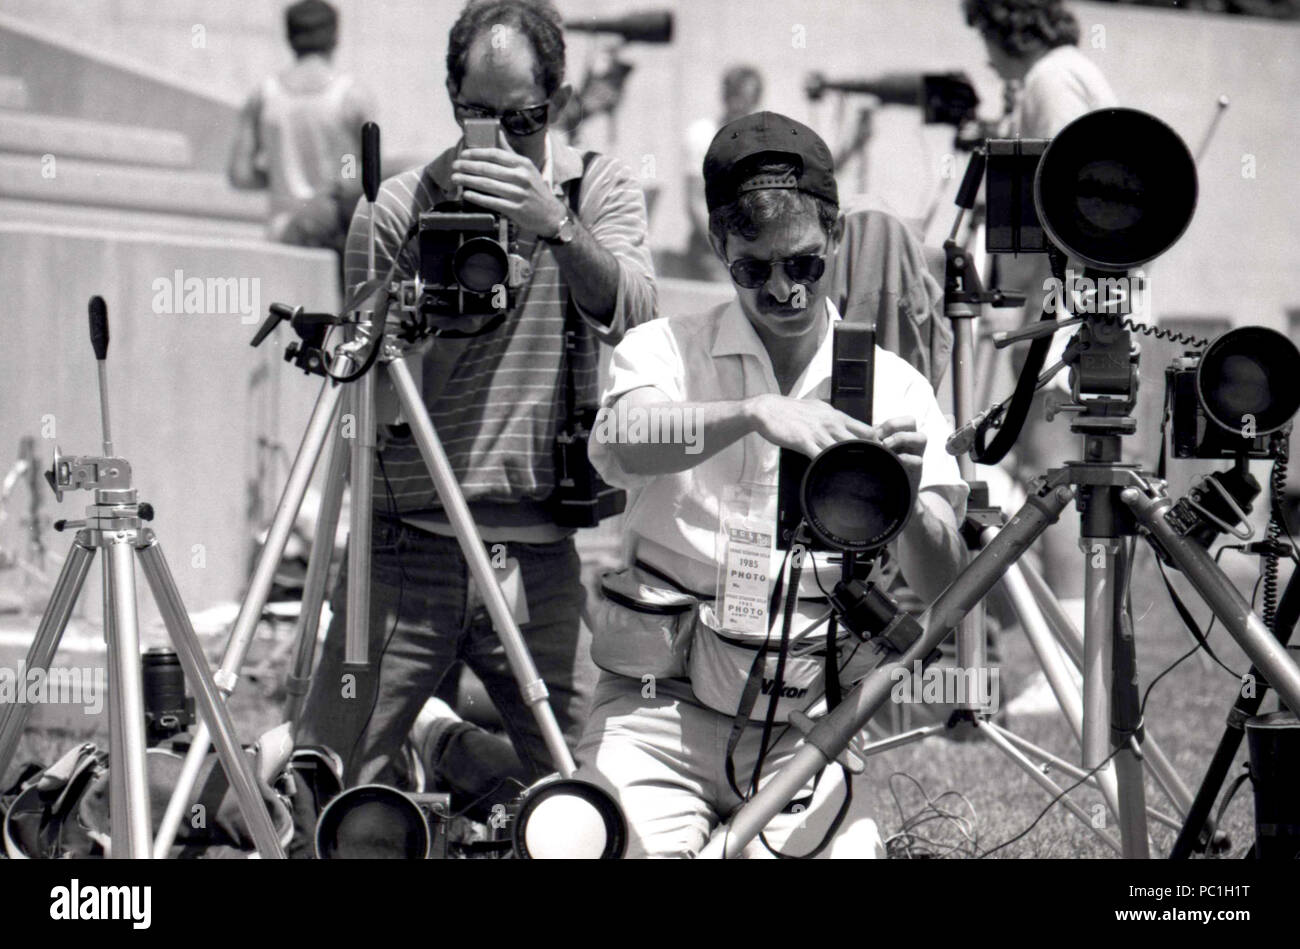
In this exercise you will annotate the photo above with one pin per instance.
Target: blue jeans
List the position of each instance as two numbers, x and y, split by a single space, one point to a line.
427 614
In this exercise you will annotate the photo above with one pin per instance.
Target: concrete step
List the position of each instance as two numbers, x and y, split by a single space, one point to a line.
97 184
107 220
13 92
34 134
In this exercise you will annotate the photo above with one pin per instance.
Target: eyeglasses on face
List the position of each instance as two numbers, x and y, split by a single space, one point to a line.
518 122
801 268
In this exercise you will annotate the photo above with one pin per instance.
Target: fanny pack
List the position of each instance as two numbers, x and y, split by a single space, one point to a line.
721 665
643 623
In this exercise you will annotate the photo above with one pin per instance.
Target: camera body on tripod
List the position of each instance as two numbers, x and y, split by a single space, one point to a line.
470 271
1193 433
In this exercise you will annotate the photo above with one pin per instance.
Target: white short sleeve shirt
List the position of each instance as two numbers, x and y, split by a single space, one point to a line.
673 520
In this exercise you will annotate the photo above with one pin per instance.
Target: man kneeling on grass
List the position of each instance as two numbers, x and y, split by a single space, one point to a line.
674 730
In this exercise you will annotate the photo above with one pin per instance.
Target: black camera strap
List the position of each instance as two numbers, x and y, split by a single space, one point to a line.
1026 386
572 320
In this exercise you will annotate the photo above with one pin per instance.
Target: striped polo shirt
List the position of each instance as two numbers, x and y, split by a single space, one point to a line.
495 400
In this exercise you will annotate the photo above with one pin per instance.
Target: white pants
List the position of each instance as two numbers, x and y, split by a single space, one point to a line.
662 757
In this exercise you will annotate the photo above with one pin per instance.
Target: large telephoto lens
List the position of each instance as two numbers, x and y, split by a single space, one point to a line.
1115 188
856 496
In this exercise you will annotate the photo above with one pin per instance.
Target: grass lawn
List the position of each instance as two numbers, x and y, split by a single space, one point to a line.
1185 713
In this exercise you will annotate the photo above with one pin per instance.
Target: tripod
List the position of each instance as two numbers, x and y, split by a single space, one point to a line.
115 524
1115 501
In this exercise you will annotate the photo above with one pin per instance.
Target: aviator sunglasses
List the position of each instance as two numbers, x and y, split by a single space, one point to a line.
517 122
802 268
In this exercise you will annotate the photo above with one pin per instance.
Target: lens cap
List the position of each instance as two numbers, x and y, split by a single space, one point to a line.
1115 188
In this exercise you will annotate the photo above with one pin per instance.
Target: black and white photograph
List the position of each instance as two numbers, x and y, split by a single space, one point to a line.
443 430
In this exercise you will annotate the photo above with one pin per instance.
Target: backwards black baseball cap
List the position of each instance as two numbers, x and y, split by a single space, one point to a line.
751 140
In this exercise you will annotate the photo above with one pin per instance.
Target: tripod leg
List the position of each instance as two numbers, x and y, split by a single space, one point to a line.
63 599
250 611
1070 638
531 685
1269 656
313 593
835 730
1126 728
319 429
1049 656
363 462
1098 647
210 703
128 811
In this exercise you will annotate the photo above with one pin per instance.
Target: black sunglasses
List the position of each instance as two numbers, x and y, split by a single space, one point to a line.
518 122
802 268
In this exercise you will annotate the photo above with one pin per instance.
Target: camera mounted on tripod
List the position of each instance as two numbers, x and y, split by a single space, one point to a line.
470 271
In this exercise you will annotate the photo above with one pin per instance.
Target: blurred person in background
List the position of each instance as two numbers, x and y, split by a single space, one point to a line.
299 137
742 93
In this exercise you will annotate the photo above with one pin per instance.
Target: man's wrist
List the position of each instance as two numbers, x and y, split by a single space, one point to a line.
557 222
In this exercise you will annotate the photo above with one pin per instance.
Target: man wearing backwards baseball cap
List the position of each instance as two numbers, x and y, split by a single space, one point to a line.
668 733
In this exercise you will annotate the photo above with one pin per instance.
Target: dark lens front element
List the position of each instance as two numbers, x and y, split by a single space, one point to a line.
481 264
1249 380
856 496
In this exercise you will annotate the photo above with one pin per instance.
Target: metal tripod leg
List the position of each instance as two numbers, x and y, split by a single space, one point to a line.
531 685
210 703
313 593
128 811
116 776
1098 643
63 600
250 611
1071 640
362 406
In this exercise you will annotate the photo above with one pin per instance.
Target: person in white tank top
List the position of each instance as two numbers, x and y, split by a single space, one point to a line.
300 136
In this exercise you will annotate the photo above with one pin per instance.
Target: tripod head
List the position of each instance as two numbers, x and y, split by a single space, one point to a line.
108 475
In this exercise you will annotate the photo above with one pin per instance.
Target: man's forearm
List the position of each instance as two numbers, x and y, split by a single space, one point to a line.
591 272
930 549
706 428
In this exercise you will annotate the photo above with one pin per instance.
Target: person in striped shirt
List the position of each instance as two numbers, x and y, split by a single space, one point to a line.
495 400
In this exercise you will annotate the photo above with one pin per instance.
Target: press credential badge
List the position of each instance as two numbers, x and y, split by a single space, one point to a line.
747 536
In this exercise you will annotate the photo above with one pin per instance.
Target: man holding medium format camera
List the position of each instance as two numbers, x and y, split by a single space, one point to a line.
668 731
496 400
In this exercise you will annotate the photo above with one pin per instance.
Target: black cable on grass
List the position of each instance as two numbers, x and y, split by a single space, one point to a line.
907 844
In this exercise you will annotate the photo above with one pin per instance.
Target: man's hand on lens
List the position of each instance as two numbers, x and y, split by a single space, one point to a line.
502 180
900 436
805 425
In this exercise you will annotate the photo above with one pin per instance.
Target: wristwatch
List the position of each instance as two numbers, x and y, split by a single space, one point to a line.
565 232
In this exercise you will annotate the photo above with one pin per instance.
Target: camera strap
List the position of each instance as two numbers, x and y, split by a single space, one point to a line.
1026 386
572 321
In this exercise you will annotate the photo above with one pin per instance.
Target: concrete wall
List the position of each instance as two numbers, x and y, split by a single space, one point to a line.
189 398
